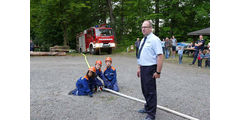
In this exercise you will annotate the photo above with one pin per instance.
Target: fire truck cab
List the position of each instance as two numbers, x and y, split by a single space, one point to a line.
96 39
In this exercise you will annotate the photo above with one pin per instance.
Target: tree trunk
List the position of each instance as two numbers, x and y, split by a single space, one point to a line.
157 19
112 19
139 4
102 11
122 21
65 41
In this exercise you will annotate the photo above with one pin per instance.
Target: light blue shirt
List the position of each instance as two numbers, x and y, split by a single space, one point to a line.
174 42
180 51
163 43
150 50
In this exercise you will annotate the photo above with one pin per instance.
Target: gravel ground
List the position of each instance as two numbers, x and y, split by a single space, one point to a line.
183 88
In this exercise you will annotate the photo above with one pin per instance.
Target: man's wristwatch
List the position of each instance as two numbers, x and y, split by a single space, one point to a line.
158 73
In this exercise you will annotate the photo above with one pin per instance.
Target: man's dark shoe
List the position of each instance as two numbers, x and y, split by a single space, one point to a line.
90 95
148 118
70 93
142 111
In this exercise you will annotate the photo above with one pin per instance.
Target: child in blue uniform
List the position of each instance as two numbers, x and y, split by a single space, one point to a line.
111 75
96 84
82 85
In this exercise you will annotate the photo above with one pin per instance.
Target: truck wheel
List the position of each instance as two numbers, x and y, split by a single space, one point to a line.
91 50
110 51
96 51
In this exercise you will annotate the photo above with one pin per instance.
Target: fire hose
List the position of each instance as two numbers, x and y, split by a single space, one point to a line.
86 60
142 101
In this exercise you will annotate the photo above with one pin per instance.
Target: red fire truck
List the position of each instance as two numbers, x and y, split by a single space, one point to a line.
96 39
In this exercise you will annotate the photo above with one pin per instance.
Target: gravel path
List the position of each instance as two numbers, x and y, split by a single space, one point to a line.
183 88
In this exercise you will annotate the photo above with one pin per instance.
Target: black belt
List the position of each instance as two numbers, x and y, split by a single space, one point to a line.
149 66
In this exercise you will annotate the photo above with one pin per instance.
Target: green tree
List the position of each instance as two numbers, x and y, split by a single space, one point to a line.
56 22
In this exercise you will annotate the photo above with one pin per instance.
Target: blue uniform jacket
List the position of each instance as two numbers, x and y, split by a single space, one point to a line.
111 78
94 82
82 85
100 74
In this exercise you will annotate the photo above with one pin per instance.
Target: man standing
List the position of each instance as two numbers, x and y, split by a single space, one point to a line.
174 44
137 45
150 60
163 46
199 45
167 47
31 45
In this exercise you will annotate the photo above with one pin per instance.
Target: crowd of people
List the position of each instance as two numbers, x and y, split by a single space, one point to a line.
200 53
169 50
169 47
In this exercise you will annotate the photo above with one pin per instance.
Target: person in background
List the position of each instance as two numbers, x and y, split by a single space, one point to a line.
207 56
31 45
82 84
200 57
180 53
167 47
174 44
137 45
163 46
208 46
111 75
199 45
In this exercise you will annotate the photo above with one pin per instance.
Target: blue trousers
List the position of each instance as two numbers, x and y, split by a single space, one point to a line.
207 63
166 53
200 63
163 48
180 58
111 86
149 91
195 56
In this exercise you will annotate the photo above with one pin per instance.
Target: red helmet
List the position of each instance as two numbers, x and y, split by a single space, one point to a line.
108 59
98 62
93 69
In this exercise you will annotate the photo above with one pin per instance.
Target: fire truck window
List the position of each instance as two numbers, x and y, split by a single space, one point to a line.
104 32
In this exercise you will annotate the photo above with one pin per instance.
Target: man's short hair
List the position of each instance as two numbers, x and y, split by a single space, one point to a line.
150 22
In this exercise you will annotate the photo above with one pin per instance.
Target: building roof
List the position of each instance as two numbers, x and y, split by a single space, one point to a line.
205 31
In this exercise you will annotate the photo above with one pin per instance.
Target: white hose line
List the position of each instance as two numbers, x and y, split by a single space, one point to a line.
158 106
142 101
101 80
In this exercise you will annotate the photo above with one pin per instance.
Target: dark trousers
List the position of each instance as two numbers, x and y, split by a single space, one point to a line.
207 63
149 91
200 63
195 56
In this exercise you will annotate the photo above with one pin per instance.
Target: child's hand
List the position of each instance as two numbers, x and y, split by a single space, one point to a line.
99 89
